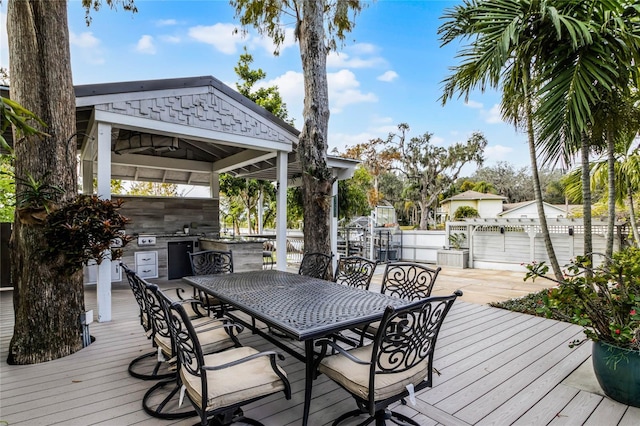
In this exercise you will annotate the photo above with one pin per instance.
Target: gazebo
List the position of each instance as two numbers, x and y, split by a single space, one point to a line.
184 131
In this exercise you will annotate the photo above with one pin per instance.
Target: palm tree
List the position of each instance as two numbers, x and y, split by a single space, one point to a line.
583 88
564 57
509 41
626 175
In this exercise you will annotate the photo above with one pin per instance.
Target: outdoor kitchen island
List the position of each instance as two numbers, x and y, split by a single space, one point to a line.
247 252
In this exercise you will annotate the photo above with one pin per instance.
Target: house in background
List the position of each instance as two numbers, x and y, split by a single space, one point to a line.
528 209
487 205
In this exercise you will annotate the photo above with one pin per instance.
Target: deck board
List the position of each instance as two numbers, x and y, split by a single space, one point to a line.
497 367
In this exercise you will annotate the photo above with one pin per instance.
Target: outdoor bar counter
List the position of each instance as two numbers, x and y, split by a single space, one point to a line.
247 252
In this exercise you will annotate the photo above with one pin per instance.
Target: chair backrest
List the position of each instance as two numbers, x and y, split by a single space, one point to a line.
187 346
406 341
158 318
210 262
137 287
410 281
355 271
315 265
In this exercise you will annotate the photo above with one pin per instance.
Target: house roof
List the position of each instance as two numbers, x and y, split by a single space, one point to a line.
474 195
513 207
182 130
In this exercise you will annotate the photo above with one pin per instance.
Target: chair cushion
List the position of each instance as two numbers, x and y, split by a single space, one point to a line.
209 300
192 312
355 377
371 328
211 340
234 384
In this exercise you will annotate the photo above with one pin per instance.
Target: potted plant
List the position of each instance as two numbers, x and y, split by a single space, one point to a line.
605 300
455 255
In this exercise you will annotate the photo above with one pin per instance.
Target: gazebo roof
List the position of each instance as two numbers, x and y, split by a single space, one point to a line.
182 130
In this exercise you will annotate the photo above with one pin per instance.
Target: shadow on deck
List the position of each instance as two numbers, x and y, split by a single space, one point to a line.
496 367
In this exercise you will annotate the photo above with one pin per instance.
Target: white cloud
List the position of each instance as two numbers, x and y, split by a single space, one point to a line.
474 104
493 116
342 141
87 47
291 88
360 55
84 40
220 36
437 140
267 44
494 153
170 39
388 76
166 22
145 45
343 60
343 91
363 48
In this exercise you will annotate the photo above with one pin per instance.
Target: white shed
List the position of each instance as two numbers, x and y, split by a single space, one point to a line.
528 209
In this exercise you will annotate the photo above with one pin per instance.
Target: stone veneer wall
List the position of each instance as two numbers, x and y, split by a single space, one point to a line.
165 218
166 215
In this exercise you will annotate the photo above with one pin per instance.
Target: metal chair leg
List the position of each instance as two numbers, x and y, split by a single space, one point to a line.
159 410
149 376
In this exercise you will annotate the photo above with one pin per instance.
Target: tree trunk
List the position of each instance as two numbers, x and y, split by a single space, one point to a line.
632 218
611 174
586 196
424 215
551 254
312 150
47 306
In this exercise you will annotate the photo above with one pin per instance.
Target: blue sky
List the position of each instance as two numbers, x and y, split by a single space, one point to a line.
389 71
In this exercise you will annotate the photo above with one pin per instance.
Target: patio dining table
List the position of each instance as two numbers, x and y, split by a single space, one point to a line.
300 307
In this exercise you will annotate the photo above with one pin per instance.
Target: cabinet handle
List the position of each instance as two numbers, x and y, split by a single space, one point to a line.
148 270
148 258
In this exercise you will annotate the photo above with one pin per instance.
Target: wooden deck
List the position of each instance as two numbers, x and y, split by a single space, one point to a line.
496 367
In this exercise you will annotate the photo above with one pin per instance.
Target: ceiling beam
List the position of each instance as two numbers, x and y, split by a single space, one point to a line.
241 159
163 163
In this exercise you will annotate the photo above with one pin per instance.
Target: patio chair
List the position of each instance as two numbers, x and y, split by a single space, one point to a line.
355 271
137 286
218 385
397 364
267 255
211 262
315 265
405 280
214 334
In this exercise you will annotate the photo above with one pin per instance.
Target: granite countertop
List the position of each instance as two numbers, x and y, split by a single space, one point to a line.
174 235
233 240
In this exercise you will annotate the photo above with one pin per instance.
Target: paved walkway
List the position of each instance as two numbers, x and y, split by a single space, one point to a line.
479 285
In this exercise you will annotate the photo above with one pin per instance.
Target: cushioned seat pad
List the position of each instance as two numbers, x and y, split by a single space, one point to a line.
355 377
234 384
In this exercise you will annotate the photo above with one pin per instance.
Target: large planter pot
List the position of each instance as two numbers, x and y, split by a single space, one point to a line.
618 372
453 258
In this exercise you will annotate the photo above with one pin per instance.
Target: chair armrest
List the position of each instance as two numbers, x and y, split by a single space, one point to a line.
270 354
229 325
325 343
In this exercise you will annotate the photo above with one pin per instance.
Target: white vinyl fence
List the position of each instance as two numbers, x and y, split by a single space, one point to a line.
507 244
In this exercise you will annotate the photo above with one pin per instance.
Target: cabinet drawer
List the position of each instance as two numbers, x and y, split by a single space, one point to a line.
147 271
146 258
147 264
